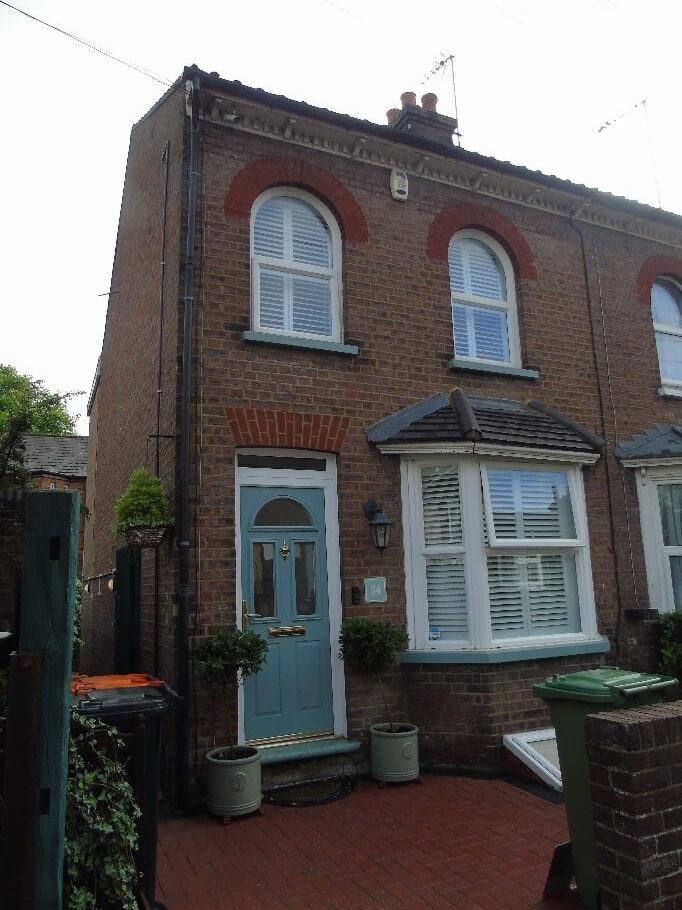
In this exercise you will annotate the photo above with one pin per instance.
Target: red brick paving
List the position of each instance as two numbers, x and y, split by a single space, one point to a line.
453 842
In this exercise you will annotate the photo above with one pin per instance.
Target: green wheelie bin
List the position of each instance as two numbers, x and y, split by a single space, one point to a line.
570 698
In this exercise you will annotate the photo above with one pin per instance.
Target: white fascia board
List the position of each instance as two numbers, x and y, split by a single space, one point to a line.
468 448
675 460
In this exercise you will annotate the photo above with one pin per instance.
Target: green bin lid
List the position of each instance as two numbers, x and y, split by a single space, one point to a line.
604 684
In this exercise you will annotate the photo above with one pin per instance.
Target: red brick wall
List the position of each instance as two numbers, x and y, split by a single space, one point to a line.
123 419
635 757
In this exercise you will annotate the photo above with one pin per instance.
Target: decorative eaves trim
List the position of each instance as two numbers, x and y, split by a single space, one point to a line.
306 132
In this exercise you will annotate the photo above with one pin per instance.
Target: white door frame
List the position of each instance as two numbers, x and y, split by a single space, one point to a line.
324 480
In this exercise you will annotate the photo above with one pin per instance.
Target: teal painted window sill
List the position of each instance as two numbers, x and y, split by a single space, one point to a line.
502 370
315 748
291 341
505 655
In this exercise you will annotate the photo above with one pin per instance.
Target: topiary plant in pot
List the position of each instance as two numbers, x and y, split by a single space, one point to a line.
233 772
372 646
142 513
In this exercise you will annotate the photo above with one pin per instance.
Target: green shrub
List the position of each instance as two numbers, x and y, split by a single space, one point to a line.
669 630
143 503
101 814
226 653
371 645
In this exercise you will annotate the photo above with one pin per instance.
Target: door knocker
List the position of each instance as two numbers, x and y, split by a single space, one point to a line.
284 550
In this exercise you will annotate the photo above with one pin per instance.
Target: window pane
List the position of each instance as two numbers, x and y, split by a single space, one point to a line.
480 332
263 579
268 229
475 270
485 275
312 305
670 501
304 573
442 508
446 596
531 595
666 309
281 513
272 299
669 349
676 576
531 504
311 242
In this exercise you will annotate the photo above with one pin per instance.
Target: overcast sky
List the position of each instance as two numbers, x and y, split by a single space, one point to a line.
535 81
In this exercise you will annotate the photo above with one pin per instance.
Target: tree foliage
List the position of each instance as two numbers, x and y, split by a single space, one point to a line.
26 406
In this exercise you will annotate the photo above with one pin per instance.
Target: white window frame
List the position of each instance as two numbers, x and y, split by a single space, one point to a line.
668 386
285 266
657 563
474 551
508 306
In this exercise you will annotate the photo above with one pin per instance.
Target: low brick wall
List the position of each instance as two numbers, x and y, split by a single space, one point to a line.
635 766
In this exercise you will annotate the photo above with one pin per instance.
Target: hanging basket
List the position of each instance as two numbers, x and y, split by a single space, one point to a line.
140 538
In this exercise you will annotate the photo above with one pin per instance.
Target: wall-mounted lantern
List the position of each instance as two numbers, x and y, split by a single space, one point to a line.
379 524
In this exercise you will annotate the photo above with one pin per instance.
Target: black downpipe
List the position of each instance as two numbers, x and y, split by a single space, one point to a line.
602 414
159 378
185 444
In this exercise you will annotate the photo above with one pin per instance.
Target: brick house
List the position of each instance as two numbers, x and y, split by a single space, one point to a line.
310 313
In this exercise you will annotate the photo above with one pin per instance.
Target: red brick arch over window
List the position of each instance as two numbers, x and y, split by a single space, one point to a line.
652 269
456 217
260 175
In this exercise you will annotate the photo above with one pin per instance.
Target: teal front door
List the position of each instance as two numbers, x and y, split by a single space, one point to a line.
285 599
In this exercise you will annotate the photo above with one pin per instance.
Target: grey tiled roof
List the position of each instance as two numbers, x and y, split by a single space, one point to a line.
664 441
496 421
63 455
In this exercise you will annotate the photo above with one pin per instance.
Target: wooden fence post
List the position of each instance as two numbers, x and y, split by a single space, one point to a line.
47 615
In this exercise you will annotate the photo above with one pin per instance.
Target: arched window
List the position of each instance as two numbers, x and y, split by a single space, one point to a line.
296 253
666 313
483 300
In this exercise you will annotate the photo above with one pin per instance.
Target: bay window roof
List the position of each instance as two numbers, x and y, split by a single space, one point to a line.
663 441
459 417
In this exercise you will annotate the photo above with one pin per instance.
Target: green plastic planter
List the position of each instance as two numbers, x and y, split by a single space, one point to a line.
234 784
394 756
571 698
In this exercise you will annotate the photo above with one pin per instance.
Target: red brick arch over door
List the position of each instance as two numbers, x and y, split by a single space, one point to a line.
260 175
468 215
652 269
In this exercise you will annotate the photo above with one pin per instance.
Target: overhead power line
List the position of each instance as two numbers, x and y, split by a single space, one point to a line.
132 66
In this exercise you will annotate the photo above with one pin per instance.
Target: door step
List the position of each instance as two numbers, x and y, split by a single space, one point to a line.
307 760
310 748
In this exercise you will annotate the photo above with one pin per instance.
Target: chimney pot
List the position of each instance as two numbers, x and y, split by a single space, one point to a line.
392 115
429 102
408 98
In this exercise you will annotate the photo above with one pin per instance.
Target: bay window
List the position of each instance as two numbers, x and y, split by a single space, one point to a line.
498 553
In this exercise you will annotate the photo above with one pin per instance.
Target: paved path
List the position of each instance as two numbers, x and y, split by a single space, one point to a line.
453 842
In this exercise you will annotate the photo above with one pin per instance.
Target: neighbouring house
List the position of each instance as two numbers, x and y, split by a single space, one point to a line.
314 313
52 463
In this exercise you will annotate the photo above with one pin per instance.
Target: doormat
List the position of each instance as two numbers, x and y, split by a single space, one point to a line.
310 792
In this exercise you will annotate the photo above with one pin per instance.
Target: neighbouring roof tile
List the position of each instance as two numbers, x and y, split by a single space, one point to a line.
63 455
663 441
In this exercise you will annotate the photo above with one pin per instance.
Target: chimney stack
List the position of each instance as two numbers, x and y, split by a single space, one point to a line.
424 121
